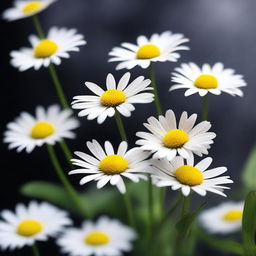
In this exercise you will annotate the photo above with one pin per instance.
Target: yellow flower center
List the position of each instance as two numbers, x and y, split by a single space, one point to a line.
29 228
45 48
32 7
41 130
112 98
97 238
206 82
233 215
175 138
113 164
147 51
189 175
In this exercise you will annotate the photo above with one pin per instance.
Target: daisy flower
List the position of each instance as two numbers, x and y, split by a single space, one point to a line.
51 49
48 126
22 9
225 218
105 237
106 166
36 222
186 176
166 138
117 97
214 79
159 47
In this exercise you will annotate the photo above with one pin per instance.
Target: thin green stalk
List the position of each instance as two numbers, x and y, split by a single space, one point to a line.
66 151
185 205
128 206
69 188
205 107
58 87
150 208
154 85
120 126
35 250
38 26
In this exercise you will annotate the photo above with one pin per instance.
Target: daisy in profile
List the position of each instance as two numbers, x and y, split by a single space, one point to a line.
37 222
57 44
105 237
167 138
224 219
159 47
213 79
184 175
117 97
107 166
47 127
22 9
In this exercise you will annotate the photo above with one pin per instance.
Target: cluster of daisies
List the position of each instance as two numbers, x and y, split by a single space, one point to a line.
165 152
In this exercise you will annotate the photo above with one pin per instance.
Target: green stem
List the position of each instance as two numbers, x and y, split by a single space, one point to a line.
128 206
150 208
58 87
35 250
38 26
66 151
120 126
154 85
185 205
69 188
205 107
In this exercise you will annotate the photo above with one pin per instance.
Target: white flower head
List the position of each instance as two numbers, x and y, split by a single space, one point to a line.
37 222
25 8
207 79
107 166
184 175
223 219
158 48
118 97
167 138
105 237
47 127
57 44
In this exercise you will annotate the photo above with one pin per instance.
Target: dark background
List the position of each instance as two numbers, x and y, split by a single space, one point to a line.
219 30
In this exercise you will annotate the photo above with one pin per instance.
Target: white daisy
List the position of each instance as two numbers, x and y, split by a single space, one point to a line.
187 176
48 126
51 49
22 9
160 47
214 79
225 218
106 166
166 138
118 97
36 222
105 237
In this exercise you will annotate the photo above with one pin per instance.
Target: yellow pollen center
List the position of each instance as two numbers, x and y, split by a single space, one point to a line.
97 238
41 130
233 215
189 175
206 82
112 98
147 51
45 48
175 138
113 164
32 7
29 228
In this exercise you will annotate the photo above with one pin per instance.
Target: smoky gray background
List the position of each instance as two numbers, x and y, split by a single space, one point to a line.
219 31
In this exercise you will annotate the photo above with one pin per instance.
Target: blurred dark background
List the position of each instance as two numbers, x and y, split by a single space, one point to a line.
222 30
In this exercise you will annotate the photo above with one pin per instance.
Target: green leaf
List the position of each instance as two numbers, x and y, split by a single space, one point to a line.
224 245
94 201
249 224
249 171
184 224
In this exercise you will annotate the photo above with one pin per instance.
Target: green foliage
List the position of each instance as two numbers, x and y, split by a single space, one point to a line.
249 225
